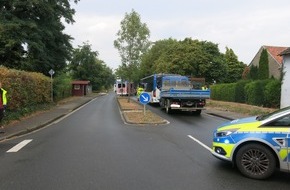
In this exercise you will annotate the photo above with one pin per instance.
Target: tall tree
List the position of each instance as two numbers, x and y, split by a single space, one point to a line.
83 62
180 58
264 65
150 57
31 34
85 65
132 42
212 66
187 57
235 68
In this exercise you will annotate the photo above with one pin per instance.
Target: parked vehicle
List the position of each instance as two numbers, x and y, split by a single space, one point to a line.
124 88
175 92
152 86
255 145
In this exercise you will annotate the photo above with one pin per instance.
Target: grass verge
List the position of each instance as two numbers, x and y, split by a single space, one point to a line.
238 108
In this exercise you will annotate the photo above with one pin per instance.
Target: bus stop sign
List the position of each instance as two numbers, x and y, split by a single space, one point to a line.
144 98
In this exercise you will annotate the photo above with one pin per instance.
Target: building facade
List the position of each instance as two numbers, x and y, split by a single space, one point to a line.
275 60
81 88
285 88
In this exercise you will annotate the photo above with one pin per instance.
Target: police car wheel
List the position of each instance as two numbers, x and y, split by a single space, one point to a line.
255 161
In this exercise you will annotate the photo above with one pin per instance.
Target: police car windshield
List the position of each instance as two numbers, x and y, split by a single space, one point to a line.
273 114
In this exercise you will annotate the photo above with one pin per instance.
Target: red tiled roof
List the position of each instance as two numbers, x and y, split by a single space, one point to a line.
80 82
274 51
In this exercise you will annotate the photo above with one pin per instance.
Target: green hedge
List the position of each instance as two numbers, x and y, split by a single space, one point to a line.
255 93
25 89
259 92
28 89
272 94
240 95
223 92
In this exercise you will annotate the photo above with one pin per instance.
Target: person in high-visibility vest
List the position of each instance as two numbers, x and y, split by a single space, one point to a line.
204 87
139 91
3 104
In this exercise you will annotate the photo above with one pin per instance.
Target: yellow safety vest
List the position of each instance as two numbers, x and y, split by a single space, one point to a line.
4 98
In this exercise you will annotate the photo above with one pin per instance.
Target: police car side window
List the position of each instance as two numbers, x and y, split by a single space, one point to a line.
284 121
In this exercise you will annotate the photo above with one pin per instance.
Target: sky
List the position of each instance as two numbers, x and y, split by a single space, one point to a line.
244 26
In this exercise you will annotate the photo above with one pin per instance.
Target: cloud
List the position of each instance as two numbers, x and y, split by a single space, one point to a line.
100 32
242 26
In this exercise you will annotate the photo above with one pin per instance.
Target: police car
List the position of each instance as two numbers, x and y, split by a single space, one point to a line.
256 145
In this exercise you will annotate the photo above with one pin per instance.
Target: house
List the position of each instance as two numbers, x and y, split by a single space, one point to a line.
275 60
285 88
81 88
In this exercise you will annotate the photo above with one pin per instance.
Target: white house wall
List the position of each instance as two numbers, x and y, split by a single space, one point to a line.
285 88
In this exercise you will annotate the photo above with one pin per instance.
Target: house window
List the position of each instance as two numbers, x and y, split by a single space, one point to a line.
77 87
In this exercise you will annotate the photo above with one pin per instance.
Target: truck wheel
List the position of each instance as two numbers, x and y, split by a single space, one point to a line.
162 103
196 112
167 107
255 161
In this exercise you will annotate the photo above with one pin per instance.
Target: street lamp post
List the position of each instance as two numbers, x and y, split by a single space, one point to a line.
51 72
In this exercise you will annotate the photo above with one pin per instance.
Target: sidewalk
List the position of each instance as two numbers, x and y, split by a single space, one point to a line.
42 119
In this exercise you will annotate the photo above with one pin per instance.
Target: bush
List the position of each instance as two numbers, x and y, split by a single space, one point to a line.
259 92
224 92
28 92
272 94
62 87
255 92
25 89
215 91
240 95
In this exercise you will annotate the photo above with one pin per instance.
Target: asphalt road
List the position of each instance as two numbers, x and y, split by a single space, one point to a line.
92 148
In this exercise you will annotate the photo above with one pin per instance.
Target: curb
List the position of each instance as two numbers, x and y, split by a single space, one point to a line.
220 116
127 120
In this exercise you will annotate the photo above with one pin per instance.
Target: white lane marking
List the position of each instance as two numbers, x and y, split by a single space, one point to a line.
20 145
203 145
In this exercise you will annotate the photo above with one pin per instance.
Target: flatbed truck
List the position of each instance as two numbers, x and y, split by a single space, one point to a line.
178 93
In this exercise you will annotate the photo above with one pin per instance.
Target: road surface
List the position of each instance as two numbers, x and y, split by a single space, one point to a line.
93 149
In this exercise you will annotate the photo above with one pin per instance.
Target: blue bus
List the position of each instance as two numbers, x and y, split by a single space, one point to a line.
153 84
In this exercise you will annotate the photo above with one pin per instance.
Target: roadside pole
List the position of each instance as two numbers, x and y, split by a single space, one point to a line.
51 72
144 99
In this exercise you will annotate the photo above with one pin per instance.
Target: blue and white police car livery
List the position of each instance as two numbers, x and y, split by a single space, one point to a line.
256 145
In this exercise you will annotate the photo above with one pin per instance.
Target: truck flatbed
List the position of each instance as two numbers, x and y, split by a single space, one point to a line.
185 94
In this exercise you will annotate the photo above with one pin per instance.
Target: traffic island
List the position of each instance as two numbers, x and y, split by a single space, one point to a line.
133 113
